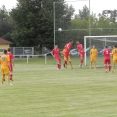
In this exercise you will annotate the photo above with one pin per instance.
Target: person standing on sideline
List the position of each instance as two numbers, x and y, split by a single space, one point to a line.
80 49
56 54
69 59
11 62
107 60
5 67
114 55
67 49
93 56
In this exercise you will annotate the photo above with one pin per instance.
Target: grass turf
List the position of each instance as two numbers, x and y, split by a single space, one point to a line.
41 91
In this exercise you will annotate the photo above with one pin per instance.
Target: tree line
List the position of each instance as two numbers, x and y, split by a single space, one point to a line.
31 23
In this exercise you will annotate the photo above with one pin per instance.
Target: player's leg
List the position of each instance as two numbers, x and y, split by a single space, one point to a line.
114 62
95 60
11 72
3 76
91 61
66 59
2 79
59 63
109 65
91 64
81 60
69 59
105 64
7 73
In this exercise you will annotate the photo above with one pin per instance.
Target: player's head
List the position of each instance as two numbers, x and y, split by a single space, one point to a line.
93 46
5 51
106 47
9 49
115 46
56 46
77 42
71 41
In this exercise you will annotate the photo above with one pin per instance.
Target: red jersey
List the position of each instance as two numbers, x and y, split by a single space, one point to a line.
10 56
56 52
68 46
106 53
80 47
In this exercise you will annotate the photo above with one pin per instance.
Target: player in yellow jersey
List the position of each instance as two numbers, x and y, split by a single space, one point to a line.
5 67
67 59
93 56
114 55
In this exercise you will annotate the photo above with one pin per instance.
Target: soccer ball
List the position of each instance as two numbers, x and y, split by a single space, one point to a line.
60 29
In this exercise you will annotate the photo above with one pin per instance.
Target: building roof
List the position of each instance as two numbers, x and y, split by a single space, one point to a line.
3 41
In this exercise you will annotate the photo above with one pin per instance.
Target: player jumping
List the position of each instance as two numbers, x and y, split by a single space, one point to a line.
67 47
69 59
80 48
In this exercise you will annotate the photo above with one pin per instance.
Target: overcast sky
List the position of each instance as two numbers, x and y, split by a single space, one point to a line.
96 6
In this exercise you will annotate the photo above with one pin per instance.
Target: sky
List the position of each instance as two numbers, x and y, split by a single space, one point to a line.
96 6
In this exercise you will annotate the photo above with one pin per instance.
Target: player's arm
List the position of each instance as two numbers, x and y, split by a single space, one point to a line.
52 53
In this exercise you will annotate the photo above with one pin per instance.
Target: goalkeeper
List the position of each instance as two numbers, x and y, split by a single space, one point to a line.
67 59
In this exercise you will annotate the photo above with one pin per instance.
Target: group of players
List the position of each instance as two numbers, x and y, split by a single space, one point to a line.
7 63
107 53
66 51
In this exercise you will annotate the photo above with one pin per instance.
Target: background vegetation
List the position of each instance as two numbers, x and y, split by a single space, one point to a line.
31 23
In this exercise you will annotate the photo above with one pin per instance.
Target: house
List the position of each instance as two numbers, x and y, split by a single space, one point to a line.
4 44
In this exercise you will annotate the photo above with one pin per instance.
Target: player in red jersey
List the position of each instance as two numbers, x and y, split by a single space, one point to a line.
67 49
80 48
56 54
11 62
107 61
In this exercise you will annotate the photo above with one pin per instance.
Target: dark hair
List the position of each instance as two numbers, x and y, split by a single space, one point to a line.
70 40
9 49
115 46
106 46
5 51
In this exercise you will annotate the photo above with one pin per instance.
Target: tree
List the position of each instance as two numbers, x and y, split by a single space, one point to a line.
34 22
6 24
63 21
84 13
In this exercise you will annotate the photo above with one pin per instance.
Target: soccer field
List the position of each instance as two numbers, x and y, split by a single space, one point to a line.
40 90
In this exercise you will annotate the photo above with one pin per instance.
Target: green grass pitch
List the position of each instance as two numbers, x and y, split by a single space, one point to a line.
40 90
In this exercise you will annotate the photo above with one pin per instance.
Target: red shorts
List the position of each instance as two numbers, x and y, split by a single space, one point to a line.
107 61
81 54
58 59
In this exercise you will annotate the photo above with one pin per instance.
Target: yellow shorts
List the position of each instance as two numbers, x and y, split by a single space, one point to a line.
5 71
69 59
93 59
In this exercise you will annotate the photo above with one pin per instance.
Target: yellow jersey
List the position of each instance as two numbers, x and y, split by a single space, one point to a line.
93 52
114 53
4 61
